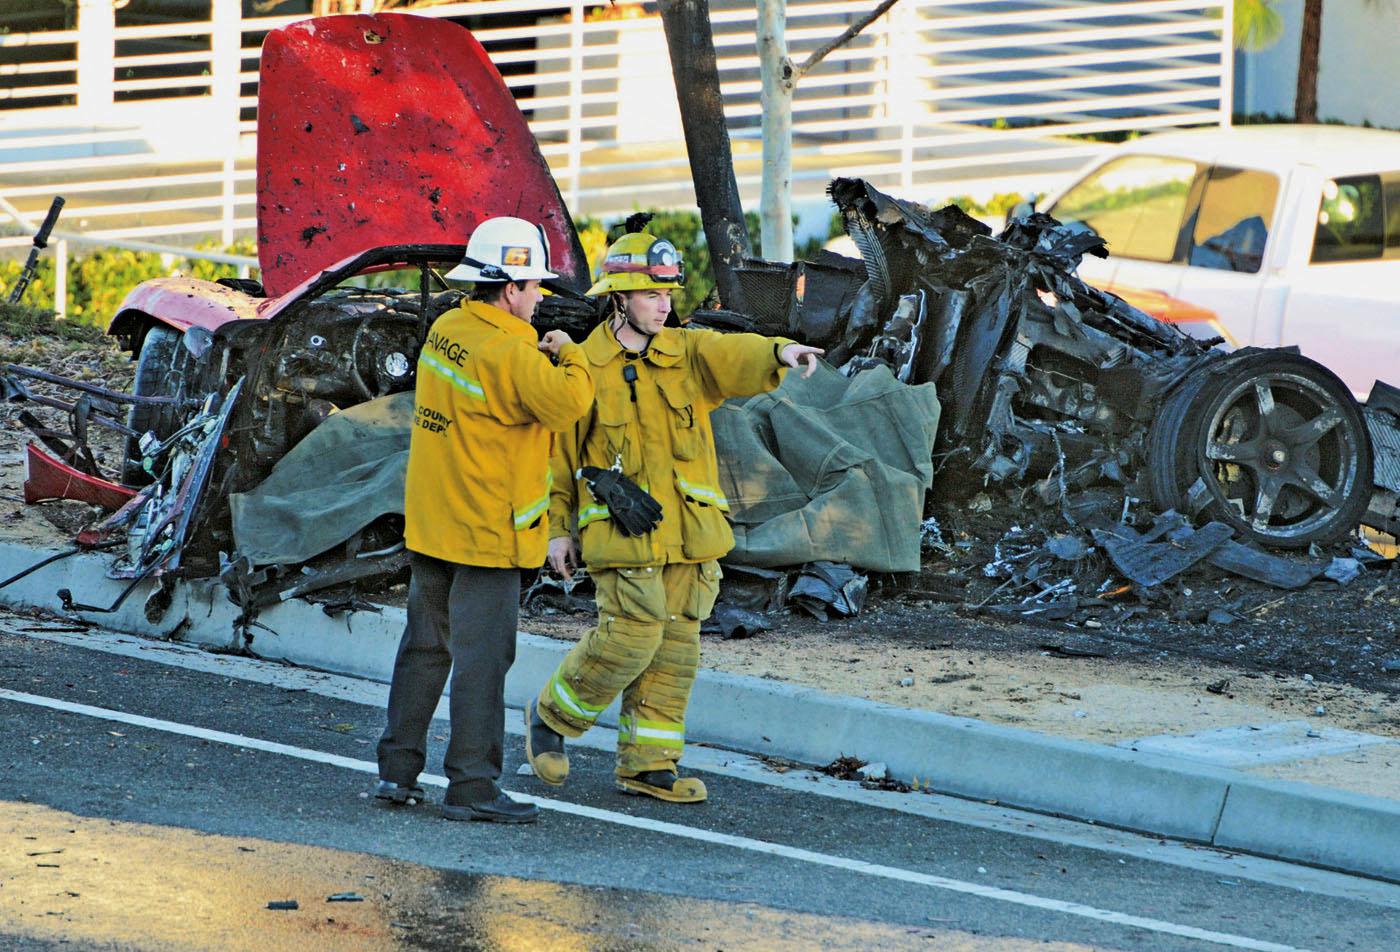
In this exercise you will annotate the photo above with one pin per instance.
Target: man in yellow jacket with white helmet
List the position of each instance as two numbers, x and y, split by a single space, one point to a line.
636 486
475 514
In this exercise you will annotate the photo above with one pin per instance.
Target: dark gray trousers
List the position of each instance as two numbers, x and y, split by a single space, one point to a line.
461 619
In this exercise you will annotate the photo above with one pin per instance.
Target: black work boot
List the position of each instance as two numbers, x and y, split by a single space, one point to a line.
664 785
544 748
500 809
399 794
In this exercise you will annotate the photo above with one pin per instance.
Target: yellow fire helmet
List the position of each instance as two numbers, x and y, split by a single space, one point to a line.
637 262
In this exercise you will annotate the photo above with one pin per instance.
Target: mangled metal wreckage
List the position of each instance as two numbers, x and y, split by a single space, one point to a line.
1041 378
354 178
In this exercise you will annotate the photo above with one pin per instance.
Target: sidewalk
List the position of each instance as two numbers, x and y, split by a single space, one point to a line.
1159 786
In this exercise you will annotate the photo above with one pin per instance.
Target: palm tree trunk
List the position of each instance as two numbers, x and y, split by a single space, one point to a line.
693 65
1305 102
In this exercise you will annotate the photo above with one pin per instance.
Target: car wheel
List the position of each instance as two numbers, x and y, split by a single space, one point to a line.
1270 443
156 376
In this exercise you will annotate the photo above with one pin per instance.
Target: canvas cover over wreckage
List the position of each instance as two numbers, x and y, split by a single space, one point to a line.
829 468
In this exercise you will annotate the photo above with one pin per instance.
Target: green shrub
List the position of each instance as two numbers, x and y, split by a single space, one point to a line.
98 280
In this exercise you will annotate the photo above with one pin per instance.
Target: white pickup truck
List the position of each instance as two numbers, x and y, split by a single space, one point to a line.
1262 235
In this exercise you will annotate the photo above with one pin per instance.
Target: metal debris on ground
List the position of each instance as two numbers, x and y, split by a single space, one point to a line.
1343 571
732 622
824 589
1039 396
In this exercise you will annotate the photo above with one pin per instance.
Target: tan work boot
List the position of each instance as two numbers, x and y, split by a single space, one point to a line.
664 785
544 748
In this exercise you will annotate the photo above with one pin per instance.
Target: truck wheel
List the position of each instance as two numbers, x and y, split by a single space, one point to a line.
155 377
1270 443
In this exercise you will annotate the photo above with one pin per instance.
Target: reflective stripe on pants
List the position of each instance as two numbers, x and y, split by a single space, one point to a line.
645 647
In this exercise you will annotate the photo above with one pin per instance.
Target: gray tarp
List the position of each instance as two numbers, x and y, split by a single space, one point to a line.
823 469
830 468
346 473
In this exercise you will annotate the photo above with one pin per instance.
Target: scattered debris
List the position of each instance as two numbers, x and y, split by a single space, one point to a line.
730 621
282 904
826 588
1147 562
1343 571
844 768
345 897
875 771
1112 465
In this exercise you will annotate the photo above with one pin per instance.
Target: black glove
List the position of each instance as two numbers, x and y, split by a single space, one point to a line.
629 505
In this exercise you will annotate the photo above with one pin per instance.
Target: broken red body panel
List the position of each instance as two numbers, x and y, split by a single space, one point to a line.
183 303
416 141
48 478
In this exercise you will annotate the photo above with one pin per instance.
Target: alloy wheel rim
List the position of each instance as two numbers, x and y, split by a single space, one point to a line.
1280 453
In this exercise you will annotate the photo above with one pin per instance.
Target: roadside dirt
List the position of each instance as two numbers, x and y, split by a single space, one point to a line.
1136 665
1004 674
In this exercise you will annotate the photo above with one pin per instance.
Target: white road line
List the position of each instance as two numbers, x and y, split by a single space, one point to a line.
675 829
750 769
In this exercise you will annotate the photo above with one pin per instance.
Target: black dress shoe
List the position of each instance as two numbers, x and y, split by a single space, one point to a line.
399 793
500 810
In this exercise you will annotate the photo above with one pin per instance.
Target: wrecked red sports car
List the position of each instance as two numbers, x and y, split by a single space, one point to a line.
382 141
390 162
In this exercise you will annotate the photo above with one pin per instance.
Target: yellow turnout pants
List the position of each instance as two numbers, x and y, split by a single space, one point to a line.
646 646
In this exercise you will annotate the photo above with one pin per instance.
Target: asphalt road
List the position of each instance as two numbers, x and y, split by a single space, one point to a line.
155 796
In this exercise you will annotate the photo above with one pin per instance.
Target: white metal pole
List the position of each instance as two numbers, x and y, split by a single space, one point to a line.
225 65
575 162
226 231
775 190
97 25
60 279
902 25
1227 63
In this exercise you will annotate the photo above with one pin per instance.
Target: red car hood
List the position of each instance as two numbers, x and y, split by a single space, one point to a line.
391 129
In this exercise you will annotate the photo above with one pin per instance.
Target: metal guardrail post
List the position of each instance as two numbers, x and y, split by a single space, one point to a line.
1227 64
97 42
60 279
902 23
576 41
226 231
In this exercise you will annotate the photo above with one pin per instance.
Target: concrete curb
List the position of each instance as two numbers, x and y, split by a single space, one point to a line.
1145 792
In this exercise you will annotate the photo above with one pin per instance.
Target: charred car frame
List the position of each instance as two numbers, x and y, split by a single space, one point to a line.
1042 378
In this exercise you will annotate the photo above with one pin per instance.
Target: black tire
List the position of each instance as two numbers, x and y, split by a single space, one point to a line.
1170 471
156 369
1272 444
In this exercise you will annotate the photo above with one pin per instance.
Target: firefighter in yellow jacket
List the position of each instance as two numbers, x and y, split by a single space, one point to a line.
475 514
636 484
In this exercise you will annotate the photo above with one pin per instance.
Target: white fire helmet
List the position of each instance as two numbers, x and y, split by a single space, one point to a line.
505 249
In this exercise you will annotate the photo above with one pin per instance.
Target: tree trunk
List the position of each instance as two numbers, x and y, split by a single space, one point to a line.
692 48
776 71
1305 103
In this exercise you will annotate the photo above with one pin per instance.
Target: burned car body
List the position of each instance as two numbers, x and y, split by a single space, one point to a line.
383 140
1044 377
